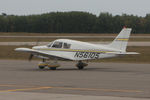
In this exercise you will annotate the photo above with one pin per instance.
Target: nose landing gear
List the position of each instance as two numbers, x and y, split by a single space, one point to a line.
50 65
42 65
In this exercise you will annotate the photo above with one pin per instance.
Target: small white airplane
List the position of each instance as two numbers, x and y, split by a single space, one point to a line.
78 51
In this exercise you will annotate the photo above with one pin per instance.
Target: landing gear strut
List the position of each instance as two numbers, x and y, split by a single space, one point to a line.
42 64
81 65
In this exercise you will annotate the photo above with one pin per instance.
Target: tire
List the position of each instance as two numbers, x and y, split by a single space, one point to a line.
80 67
52 68
41 67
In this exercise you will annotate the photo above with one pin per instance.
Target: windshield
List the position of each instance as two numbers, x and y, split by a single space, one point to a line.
57 45
50 44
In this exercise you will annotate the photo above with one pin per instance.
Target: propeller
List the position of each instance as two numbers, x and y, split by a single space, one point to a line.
30 57
37 42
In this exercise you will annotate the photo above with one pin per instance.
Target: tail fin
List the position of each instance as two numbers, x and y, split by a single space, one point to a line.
120 42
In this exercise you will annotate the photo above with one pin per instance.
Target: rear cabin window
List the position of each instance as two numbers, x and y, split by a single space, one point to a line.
57 45
67 46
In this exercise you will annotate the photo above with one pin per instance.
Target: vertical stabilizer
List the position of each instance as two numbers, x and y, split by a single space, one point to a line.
120 42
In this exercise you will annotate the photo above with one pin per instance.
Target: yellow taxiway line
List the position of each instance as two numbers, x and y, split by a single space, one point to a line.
65 88
94 89
25 89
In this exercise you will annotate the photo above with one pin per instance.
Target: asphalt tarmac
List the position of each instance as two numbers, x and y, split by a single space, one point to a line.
98 81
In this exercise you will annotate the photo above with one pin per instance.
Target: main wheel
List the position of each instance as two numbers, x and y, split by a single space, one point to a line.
52 68
80 67
41 67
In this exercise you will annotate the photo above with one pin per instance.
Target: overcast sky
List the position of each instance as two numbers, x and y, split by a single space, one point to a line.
26 7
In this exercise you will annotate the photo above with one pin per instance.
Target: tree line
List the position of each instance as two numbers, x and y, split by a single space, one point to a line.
73 22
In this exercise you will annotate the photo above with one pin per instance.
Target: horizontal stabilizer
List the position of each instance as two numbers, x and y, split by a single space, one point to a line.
124 53
132 53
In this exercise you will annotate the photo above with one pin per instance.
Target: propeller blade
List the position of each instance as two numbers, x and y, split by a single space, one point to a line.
37 43
30 57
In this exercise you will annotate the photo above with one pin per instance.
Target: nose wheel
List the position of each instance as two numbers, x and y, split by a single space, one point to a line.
41 67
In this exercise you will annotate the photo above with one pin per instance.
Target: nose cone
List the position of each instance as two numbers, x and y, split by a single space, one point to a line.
38 47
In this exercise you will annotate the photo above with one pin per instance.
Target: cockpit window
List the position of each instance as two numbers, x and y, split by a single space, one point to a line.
57 45
67 46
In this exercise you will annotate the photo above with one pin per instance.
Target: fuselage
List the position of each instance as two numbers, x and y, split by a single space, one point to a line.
76 50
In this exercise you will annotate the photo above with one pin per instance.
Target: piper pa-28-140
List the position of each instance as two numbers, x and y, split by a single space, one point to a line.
78 51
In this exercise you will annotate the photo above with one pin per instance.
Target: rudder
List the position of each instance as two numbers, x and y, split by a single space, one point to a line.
120 42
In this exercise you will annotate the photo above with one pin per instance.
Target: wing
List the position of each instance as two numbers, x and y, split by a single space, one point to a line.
49 55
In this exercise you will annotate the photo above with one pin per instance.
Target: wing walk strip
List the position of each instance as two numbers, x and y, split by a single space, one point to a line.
64 88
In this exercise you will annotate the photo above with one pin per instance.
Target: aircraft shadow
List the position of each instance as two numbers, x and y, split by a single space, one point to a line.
68 69
95 69
84 70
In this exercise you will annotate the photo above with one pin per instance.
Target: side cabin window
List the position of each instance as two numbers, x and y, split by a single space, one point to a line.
67 46
57 45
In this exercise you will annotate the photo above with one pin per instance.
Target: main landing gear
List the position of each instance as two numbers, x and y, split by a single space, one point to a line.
81 65
53 65
50 65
